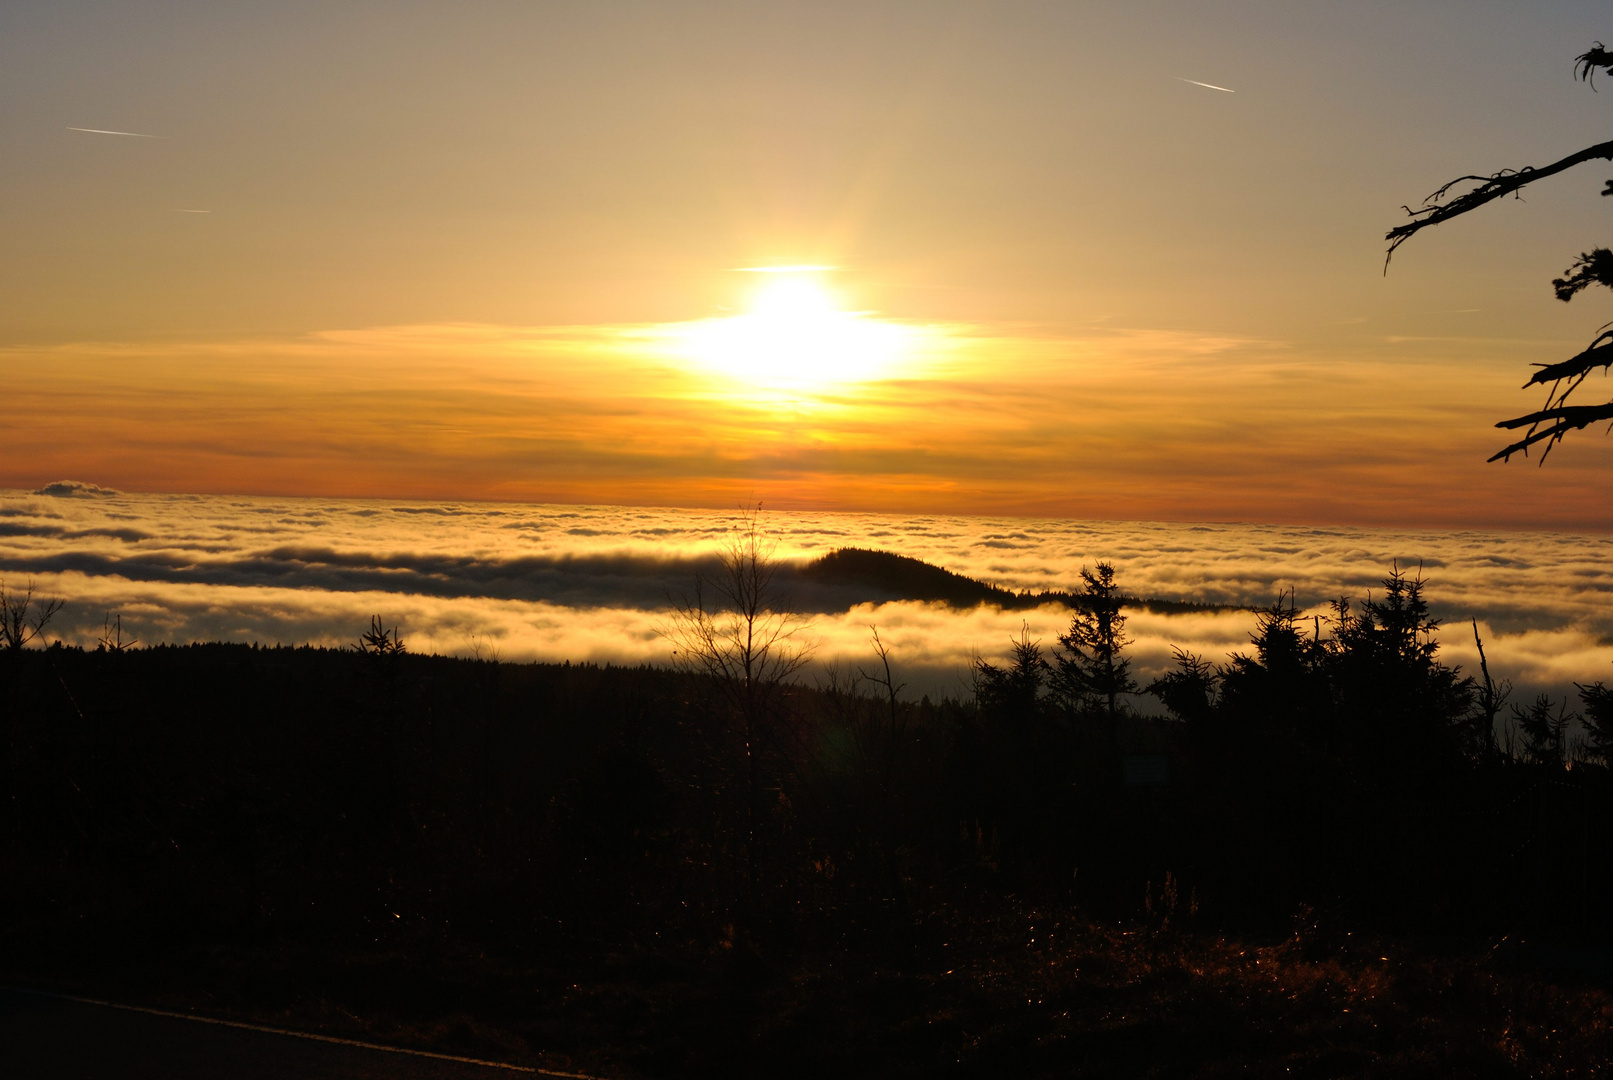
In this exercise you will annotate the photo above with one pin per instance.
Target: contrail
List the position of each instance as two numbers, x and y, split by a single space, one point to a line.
103 131
1207 86
177 210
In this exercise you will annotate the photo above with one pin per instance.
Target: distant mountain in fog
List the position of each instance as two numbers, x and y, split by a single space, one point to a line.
880 576
884 575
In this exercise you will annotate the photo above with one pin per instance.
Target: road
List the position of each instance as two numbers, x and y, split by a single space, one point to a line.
52 1037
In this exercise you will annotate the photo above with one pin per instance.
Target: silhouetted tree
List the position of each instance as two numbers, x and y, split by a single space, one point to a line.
893 738
1597 700
112 639
380 640
1407 709
1277 704
1189 689
1017 762
741 634
1091 667
1013 694
23 617
1489 696
1545 731
1557 417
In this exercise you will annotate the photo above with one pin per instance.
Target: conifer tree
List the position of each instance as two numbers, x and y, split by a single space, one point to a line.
1402 703
1189 689
1092 668
1545 731
1598 719
1013 693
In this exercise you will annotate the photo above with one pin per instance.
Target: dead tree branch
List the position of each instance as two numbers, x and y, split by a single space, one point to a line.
1561 420
1549 424
23 618
1492 187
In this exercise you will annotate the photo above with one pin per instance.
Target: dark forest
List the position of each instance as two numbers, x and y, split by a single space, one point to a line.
1330 852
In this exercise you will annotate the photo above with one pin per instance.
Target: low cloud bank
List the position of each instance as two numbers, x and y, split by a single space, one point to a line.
593 583
932 645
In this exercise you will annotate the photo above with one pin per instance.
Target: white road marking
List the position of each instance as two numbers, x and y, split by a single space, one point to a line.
297 1034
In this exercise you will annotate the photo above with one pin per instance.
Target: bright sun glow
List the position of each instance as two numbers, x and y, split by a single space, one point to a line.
794 336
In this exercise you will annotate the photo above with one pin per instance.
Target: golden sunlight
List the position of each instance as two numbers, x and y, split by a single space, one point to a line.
795 336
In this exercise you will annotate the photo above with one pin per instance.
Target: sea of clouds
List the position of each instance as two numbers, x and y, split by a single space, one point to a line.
596 583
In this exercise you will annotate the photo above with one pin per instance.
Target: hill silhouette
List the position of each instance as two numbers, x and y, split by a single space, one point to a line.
884 575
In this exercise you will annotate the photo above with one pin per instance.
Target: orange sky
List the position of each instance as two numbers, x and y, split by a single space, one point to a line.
1114 424
461 253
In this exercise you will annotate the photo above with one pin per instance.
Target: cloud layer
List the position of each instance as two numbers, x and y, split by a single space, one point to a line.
595 583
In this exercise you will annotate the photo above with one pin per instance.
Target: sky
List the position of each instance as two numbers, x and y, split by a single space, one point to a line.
505 251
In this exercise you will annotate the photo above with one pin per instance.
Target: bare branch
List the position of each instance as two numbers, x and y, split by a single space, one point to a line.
1563 419
23 617
1598 355
1506 182
112 639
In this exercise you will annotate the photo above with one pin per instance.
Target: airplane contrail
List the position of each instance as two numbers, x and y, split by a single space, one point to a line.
177 210
1207 86
103 131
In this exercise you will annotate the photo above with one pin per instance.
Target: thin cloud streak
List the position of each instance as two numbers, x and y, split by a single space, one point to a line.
1207 86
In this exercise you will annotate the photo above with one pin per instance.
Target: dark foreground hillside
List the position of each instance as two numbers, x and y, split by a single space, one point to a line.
551 865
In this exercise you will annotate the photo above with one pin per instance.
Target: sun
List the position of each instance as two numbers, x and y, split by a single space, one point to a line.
795 336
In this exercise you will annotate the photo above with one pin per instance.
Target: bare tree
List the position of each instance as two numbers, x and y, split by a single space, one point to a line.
23 617
895 734
1491 695
739 632
112 639
1557 417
